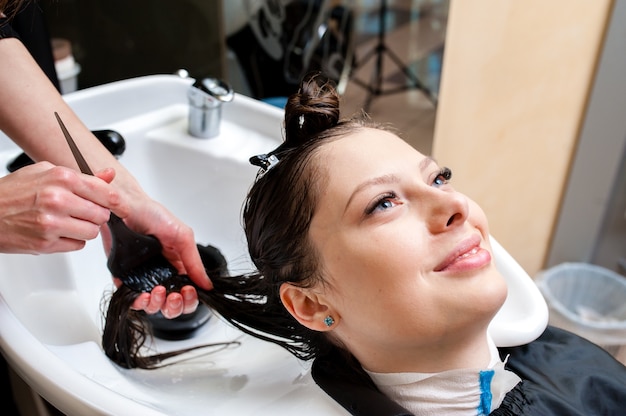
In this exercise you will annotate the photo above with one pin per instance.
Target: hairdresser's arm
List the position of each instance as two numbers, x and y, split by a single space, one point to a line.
28 101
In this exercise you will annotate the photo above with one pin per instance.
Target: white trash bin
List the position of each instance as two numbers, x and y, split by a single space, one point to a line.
587 300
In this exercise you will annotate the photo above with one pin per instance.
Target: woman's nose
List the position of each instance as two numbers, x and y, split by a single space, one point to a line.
448 209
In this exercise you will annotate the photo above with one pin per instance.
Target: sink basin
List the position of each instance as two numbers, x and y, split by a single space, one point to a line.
51 305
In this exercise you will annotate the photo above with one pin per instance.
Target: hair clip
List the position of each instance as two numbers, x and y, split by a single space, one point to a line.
265 162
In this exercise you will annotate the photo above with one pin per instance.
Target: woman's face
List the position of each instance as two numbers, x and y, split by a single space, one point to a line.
407 258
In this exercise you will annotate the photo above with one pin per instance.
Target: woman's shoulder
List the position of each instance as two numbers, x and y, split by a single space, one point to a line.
562 350
563 373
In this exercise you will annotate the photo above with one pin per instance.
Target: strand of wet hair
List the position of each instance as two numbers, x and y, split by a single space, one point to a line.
240 300
249 302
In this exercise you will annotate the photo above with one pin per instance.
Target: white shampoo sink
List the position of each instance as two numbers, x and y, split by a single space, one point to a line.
51 306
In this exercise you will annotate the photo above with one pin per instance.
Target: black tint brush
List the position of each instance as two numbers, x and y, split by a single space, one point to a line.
136 259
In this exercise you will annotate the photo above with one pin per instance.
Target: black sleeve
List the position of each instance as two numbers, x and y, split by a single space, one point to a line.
29 25
564 374
6 30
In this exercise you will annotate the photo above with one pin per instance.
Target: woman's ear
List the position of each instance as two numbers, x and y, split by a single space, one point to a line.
306 306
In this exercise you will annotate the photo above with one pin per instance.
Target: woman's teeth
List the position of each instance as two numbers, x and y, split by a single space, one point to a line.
469 253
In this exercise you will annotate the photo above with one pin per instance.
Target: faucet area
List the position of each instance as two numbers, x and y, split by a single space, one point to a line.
51 313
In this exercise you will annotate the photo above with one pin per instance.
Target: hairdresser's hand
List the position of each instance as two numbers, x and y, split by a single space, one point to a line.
177 239
46 208
179 247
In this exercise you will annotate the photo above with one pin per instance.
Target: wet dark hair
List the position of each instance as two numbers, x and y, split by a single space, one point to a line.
280 206
277 215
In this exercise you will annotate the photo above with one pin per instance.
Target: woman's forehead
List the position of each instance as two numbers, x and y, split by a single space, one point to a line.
366 146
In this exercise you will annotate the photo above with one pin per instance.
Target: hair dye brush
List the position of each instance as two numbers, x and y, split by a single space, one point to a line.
137 260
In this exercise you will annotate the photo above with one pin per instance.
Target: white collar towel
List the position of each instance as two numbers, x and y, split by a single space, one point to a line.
455 392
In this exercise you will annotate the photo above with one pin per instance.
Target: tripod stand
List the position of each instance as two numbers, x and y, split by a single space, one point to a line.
375 87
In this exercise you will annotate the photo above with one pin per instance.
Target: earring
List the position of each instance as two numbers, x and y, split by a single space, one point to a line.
329 321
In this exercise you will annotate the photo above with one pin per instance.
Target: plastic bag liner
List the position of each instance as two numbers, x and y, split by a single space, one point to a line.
588 300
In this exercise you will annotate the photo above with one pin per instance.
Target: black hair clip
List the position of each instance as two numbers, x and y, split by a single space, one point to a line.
264 161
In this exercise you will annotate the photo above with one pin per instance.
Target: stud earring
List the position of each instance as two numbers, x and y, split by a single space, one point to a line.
329 321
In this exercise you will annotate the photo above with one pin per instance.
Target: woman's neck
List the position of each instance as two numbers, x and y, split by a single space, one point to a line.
461 352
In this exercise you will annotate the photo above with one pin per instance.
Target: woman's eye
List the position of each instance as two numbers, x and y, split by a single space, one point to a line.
383 203
443 177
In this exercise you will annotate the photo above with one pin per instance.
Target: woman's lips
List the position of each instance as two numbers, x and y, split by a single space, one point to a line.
468 255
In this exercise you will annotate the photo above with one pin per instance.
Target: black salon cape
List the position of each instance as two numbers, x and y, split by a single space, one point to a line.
562 374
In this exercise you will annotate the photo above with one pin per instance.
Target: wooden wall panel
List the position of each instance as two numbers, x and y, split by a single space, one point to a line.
515 83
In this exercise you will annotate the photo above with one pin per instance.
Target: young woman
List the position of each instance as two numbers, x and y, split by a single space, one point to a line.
371 263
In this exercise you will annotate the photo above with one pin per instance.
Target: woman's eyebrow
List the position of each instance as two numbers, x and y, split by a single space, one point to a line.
379 180
387 179
426 162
